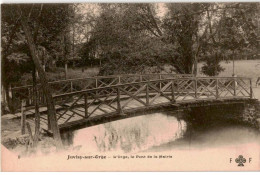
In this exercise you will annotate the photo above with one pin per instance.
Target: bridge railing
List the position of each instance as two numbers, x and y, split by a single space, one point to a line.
73 85
121 98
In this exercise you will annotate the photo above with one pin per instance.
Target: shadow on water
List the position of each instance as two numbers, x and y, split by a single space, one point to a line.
159 132
215 126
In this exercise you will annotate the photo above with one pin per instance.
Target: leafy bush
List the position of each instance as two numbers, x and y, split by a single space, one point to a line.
212 66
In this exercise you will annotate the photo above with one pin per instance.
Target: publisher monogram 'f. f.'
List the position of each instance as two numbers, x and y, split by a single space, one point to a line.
240 160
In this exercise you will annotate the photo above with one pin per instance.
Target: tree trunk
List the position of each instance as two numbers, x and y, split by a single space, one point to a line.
233 60
7 96
195 66
37 114
73 47
6 100
3 95
66 70
6 84
43 80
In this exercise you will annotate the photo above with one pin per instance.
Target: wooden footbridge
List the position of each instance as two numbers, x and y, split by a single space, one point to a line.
81 101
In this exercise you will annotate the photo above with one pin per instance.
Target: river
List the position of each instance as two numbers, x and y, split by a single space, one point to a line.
152 142
159 132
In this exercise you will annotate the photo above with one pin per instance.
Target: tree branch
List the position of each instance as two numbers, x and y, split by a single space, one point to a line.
35 34
154 21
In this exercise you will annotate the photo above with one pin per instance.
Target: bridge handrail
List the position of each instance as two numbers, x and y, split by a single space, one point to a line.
117 99
120 99
99 77
95 77
72 85
151 81
124 82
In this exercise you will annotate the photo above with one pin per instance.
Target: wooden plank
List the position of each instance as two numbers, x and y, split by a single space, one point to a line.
204 88
107 108
98 106
71 106
133 96
97 112
160 92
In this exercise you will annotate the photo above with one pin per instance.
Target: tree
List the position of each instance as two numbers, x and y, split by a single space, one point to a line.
182 25
43 79
137 36
125 33
239 31
231 30
16 58
34 27
184 35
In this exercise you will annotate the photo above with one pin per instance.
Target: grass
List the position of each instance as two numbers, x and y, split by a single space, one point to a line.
59 74
77 73
244 68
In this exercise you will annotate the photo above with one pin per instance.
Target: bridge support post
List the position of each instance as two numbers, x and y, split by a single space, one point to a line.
23 117
119 79
141 78
217 93
28 99
13 97
195 87
147 94
96 82
160 77
49 121
86 105
119 108
251 90
177 87
71 86
234 86
173 95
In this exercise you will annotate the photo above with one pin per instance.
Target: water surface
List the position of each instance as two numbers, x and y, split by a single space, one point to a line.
160 132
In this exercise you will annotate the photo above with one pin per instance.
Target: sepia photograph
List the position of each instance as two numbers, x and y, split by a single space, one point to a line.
130 87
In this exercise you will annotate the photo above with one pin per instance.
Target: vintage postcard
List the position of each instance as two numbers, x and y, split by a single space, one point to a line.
130 87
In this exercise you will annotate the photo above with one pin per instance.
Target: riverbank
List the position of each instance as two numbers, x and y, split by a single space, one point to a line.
13 140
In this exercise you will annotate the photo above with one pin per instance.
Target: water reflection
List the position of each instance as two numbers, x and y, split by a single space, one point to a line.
130 135
215 134
161 132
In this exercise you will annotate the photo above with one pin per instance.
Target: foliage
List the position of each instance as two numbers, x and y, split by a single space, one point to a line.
239 28
47 22
133 37
212 67
181 27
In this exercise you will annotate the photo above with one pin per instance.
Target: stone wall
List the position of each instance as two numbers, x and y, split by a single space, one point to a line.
245 112
251 114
